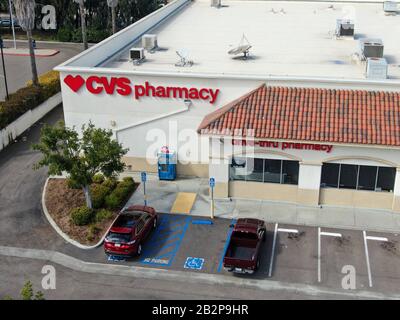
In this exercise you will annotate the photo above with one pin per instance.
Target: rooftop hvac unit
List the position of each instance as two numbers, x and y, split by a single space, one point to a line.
390 7
215 3
344 28
136 54
376 68
149 42
371 48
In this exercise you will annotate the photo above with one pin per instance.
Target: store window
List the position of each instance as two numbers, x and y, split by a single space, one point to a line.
265 170
347 176
330 175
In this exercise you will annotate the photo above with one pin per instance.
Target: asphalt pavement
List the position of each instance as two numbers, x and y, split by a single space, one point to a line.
18 68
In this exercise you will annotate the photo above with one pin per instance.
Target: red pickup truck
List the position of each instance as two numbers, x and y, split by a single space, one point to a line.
242 254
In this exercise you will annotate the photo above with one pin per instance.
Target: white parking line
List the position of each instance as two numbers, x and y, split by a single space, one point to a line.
367 258
319 254
331 234
288 230
377 238
271 263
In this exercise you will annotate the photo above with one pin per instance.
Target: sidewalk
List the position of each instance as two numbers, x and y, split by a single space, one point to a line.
23 52
162 194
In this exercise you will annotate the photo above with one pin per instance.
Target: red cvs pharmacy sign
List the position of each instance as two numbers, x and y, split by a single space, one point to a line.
124 87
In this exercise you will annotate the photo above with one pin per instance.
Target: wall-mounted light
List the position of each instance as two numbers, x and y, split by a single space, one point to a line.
188 103
113 123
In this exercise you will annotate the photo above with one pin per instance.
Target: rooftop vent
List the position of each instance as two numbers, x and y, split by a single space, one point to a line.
344 28
136 55
376 68
216 3
149 42
371 48
390 7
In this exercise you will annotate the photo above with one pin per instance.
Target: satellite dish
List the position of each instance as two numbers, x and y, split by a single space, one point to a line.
243 48
183 54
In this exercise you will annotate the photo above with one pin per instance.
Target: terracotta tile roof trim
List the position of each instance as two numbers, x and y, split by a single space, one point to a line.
310 114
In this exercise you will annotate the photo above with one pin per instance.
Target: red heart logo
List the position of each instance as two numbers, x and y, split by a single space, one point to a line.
75 83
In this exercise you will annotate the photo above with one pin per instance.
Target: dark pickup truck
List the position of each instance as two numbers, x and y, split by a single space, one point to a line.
242 255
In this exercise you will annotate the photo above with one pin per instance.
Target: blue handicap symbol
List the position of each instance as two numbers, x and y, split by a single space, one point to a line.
143 176
194 263
116 258
212 182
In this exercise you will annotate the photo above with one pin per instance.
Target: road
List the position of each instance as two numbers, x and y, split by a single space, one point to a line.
18 69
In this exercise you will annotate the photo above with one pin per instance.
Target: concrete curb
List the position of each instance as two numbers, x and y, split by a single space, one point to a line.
38 55
57 228
186 276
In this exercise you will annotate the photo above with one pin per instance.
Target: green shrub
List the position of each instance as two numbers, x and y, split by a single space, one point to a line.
128 180
64 35
76 35
98 178
112 201
98 193
92 232
72 184
103 214
110 183
82 216
116 199
28 98
97 35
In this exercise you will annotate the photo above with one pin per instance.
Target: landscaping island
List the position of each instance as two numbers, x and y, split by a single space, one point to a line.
66 206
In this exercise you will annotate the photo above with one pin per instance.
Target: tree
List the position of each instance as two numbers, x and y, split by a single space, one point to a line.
112 4
25 12
28 294
80 157
83 22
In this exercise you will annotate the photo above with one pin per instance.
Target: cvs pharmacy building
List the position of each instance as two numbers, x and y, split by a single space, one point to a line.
323 135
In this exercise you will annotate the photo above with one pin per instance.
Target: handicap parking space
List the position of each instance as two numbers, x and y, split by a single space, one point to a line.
204 243
384 259
163 244
293 258
342 252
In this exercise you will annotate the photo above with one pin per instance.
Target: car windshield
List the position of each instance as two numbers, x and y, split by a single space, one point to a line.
119 237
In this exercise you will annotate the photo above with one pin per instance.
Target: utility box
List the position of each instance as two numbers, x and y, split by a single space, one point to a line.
136 54
390 7
371 48
166 164
149 42
344 28
376 68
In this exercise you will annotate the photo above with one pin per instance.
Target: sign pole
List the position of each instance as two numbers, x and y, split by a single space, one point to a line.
144 178
212 185
4 68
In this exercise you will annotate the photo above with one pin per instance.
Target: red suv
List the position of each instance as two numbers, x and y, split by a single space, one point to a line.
129 231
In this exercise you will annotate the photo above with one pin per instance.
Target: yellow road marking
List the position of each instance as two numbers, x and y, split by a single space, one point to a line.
184 202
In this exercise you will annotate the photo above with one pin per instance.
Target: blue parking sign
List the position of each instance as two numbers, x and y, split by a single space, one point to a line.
143 176
212 182
194 263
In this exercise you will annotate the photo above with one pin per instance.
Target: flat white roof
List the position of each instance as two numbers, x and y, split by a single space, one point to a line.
288 38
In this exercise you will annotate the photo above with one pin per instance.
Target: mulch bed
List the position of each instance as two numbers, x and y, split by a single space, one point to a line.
60 200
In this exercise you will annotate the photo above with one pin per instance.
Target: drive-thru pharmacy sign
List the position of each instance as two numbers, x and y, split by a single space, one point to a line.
284 145
124 87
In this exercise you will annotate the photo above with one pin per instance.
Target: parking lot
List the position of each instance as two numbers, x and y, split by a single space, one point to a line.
291 253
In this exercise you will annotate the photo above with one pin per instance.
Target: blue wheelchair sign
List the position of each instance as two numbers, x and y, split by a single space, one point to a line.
194 263
212 182
143 176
